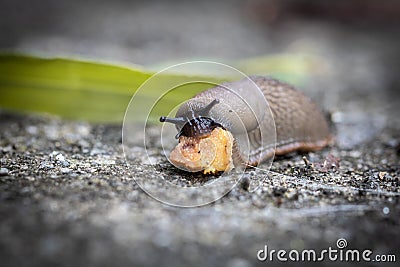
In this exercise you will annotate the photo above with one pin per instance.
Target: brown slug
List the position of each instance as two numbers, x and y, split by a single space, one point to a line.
231 107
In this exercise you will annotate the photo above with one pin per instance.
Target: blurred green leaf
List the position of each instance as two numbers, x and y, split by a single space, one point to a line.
100 92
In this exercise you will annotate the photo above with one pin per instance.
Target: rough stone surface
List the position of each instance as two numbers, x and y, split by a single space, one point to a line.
93 211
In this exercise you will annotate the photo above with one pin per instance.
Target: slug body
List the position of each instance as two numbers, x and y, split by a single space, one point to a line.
299 124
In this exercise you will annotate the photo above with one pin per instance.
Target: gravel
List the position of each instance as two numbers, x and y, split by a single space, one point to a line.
93 212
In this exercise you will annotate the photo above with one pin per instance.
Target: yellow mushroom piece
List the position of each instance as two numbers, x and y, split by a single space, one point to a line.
210 154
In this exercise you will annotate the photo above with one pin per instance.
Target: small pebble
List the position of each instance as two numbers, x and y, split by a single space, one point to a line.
4 171
65 170
46 165
32 130
382 175
338 117
393 143
386 210
60 157
355 154
65 163
245 183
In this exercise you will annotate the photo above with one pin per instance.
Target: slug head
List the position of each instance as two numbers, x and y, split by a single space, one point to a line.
197 125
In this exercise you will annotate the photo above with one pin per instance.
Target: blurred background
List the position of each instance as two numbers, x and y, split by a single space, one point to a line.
148 32
349 49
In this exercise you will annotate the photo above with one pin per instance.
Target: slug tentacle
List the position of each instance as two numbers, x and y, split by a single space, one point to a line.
177 121
204 111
